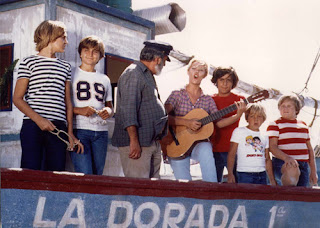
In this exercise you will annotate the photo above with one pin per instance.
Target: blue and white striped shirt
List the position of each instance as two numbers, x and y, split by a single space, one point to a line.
46 89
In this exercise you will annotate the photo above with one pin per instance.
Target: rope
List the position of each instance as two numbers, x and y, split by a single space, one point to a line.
317 151
302 110
313 66
315 111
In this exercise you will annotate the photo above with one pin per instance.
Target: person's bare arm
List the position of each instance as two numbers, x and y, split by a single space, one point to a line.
19 92
312 164
84 111
69 115
289 161
192 124
231 161
269 168
107 111
241 107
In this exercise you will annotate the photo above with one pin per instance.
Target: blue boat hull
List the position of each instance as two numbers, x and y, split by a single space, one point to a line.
46 199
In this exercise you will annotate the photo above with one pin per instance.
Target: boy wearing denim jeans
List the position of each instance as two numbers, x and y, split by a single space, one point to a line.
92 96
42 93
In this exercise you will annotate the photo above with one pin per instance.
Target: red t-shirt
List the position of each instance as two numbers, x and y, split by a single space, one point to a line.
221 137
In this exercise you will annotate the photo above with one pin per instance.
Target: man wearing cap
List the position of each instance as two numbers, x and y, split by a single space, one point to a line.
140 119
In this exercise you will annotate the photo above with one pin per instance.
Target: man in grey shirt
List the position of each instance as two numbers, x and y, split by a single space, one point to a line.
140 119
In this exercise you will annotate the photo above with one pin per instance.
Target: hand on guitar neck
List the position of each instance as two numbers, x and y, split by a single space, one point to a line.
240 106
197 126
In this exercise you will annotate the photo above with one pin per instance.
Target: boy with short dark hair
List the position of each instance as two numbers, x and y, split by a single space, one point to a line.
225 79
92 97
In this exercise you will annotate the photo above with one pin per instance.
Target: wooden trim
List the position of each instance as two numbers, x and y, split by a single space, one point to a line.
105 185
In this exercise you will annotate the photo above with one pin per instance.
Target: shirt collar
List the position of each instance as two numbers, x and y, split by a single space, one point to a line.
143 67
184 89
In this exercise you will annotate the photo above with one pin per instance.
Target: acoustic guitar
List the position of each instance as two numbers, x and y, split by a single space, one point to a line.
181 140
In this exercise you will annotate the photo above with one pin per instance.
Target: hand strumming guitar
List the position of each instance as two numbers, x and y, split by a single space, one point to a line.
194 124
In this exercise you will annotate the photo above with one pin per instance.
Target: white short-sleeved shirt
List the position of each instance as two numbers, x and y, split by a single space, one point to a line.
90 89
251 149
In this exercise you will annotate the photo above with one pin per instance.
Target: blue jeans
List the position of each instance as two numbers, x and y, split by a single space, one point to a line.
304 171
93 159
252 178
42 150
202 152
221 159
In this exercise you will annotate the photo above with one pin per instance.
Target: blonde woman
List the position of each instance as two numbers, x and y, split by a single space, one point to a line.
180 103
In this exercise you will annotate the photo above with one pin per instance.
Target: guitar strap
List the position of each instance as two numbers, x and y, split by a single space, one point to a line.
174 137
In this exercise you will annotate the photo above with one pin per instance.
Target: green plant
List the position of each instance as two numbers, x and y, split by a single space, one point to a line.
5 81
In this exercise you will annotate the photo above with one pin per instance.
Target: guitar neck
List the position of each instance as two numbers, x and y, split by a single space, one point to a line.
220 113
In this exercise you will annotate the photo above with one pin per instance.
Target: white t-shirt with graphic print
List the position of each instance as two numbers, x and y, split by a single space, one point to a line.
90 89
251 149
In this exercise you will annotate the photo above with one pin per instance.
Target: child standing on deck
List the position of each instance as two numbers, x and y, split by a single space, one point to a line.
42 93
92 96
251 148
289 142
225 79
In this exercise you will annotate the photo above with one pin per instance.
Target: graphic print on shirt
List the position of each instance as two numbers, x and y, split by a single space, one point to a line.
84 91
255 143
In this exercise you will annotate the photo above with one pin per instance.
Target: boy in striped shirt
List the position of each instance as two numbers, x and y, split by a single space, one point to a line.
289 142
42 93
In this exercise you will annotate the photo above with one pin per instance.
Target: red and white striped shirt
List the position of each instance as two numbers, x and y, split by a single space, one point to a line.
292 137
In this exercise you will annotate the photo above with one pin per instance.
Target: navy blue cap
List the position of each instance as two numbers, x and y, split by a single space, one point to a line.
160 46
